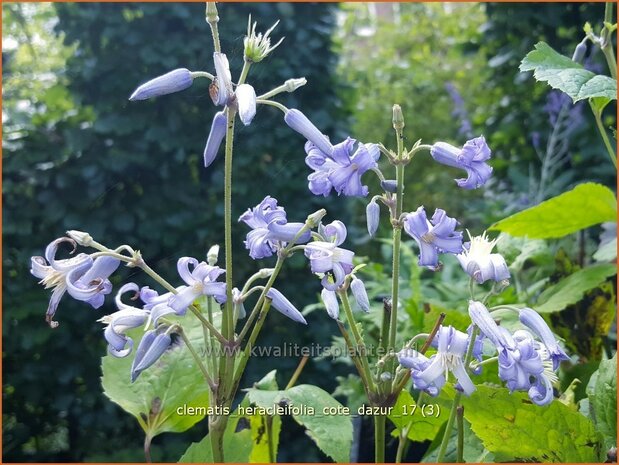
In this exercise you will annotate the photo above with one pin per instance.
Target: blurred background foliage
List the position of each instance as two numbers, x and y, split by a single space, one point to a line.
78 155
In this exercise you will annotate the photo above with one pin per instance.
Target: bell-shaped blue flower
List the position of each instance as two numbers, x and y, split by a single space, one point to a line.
301 124
202 280
270 229
433 237
329 259
174 81
536 323
479 263
472 158
151 348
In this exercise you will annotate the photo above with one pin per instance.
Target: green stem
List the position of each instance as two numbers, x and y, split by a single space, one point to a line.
216 429
460 446
609 148
379 438
212 18
244 72
353 355
359 342
607 42
273 104
456 401
297 372
207 324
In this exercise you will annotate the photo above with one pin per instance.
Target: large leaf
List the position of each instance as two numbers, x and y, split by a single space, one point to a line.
570 77
515 429
570 290
584 206
332 433
473 450
265 429
602 392
171 383
406 413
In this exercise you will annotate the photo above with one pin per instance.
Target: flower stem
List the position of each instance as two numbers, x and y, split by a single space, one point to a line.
147 442
207 324
460 445
297 372
379 438
212 18
244 72
359 343
607 43
456 401
272 103
600 125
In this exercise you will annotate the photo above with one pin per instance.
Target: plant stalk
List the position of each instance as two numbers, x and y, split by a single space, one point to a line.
379 438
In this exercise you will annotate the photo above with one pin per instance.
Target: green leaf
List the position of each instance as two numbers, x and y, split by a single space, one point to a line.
602 392
472 452
515 429
560 72
584 206
172 383
331 433
406 414
570 290
237 445
265 429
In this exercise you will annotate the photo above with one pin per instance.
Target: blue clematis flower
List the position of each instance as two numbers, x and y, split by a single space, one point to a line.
360 294
300 123
127 317
471 157
430 374
433 237
372 215
329 298
202 280
82 277
270 229
342 168
328 258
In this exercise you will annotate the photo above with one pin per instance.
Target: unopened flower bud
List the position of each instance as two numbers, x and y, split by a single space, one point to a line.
330 300
294 84
314 219
82 238
579 52
212 15
174 81
372 213
398 118
385 376
212 255
215 137
246 98
389 185
265 273
360 294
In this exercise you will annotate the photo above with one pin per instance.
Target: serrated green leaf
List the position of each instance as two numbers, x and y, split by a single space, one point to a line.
572 289
472 452
560 72
173 382
602 392
331 433
584 206
406 414
515 429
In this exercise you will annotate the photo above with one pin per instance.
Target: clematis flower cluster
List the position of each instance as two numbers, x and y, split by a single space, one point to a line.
525 363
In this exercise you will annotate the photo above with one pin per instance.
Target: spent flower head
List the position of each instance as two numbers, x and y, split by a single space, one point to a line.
258 45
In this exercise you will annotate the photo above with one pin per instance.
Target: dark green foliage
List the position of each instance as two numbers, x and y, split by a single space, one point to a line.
131 172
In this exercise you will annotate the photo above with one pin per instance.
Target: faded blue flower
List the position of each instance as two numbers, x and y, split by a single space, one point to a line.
174 81
479 263
433 237
202 280
151 348
280 303
270 229
246 101
329 259
221 89
472 158
82 277
342 168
